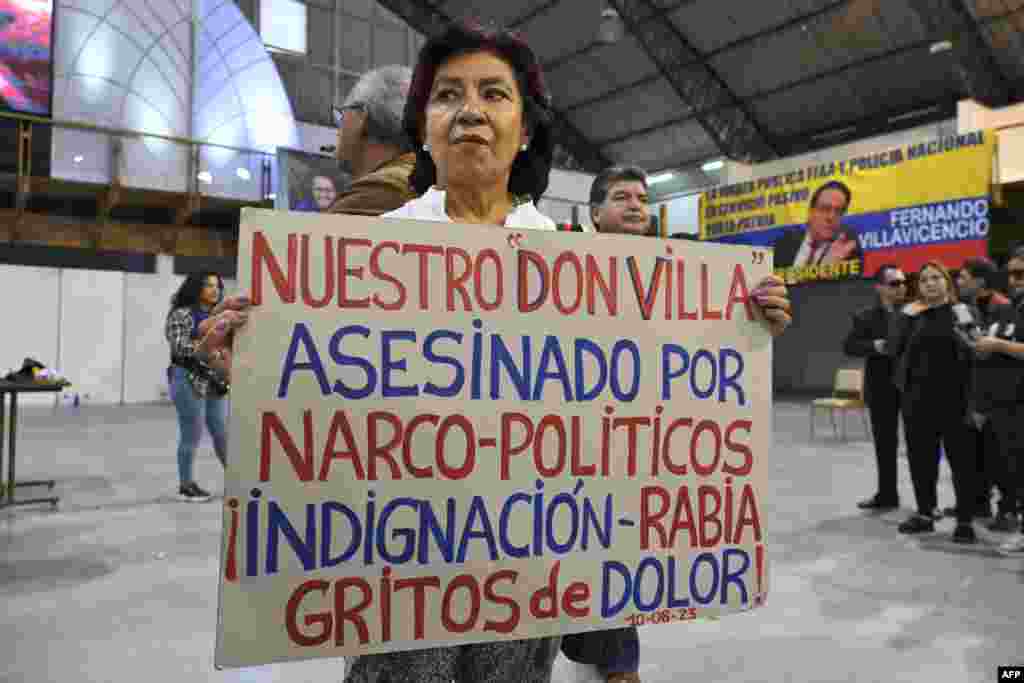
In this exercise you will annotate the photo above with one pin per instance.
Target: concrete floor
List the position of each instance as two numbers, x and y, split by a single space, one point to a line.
120 583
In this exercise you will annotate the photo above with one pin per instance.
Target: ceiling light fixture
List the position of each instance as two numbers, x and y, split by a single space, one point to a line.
204 177
941 46
715 165
244 174
839 132
611 29
78 159
659 177
917 113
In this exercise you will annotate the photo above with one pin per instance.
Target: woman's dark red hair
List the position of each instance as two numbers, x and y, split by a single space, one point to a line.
531 168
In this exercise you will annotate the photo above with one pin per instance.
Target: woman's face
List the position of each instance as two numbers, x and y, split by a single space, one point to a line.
210 294
933 285
474 120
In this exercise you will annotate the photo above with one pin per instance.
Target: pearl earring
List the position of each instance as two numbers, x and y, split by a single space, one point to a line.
525 146
426 147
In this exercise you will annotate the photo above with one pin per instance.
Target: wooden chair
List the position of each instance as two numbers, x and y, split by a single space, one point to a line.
847 395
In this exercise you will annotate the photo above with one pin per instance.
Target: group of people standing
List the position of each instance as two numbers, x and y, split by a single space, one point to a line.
951 361
466 137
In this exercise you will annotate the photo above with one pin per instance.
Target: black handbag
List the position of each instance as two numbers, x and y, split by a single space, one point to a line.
219 385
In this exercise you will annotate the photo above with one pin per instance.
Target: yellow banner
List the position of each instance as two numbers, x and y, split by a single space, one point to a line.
905 205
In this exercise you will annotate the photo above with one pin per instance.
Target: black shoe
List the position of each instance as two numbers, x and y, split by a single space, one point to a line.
1004 521
948 512
964 533
918 524
878 503
191 493
983 511
936 514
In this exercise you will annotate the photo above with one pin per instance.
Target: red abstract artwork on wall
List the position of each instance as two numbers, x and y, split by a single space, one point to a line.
26 55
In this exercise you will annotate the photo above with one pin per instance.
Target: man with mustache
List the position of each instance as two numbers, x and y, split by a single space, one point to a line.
619 205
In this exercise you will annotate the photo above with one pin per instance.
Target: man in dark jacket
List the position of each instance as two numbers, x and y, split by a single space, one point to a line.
999 394
618 205
867 340
977 283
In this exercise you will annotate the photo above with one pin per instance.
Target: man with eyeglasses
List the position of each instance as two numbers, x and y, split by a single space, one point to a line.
999 391
372 146
867 340
825 242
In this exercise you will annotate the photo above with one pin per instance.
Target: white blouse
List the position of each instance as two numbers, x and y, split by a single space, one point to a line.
430 207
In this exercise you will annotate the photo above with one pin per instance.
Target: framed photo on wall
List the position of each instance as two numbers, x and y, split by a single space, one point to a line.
26 56
308 182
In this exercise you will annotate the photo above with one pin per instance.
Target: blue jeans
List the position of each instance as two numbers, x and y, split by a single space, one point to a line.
190 429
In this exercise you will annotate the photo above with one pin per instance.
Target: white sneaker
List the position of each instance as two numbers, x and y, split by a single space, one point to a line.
1014 547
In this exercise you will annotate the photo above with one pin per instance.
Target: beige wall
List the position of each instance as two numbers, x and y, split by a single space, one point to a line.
1009 124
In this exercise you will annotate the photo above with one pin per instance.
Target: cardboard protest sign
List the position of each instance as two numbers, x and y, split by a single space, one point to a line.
446 434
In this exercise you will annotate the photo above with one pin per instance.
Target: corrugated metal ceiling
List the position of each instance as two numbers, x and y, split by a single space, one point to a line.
795 70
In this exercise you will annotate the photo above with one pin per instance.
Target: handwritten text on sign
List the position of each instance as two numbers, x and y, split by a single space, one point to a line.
445 434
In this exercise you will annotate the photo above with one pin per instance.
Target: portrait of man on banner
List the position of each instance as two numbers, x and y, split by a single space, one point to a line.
825 241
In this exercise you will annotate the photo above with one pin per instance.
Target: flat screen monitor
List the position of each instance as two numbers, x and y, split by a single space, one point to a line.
26 56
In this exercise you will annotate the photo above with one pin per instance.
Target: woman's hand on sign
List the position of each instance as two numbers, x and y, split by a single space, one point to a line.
772 299
238 302
217 333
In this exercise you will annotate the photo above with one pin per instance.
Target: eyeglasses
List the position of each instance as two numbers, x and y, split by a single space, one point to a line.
1016 274
339 112
896 283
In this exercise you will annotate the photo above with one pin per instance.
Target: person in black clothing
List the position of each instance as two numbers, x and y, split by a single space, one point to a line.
933 353
999 397
976 283
867 340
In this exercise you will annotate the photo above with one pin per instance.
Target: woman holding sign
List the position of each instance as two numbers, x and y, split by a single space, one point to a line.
480 112
481 118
